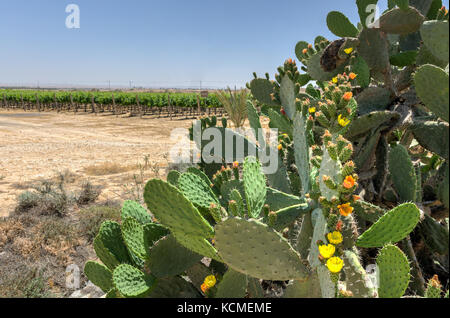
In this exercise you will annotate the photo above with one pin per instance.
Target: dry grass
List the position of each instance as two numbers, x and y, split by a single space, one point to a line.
108 168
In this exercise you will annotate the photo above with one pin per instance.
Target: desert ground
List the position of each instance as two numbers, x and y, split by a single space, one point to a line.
108 151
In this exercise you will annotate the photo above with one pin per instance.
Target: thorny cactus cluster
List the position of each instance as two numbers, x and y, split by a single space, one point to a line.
362 179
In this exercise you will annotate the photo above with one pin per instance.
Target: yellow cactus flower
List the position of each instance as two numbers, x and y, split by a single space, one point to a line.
210 281
335 264
335 238
349 50
335 80
312 110
326 251
280 147
343 121
345 209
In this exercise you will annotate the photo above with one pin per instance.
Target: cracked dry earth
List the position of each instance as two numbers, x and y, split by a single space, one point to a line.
36 146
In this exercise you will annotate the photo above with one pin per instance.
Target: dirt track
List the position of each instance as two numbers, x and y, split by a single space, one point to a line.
38 145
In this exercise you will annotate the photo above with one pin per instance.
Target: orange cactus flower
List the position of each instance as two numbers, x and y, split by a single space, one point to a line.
352 76
309 46
280 147
345 209
204 288
339 226
347 96
349 182
356 198
236 164
305 51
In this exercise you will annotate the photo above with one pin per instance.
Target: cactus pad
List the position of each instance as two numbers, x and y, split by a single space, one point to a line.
255 186
196 190
131 282
262 89
135 210
392 227
356 277
308 288
365 123
301 149
172 209
432 88
393 270
168 258
232 285
374 49
435 37
433 136
172 177
109 245
173 287
398 21
199 245
340 25
402 173
99 274
253 248
133 235
287 96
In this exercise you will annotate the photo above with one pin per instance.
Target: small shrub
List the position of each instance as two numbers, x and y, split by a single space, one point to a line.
27 200
91 219
88 194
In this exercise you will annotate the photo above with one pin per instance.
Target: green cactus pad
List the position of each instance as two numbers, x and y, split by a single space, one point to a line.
152 233
362 70
133 235
172 209
374 49
403 174
356 277
320 229
228 187
280 122
435 36
340 25
255 186
403 59
362 10
99 274
443 190
287 96
327 287
301 149
278 200
197 274
131 282
255 124
432 88
199 245
393 269
435 235
109 245
305 236
392 227
200 174
172 177
174 287
308 288
262 89
329 168
253 248
135 210
232 285
287 216
398 21
237 197
368 211
254 288
433 136
196 190
361 125
373 99
168 258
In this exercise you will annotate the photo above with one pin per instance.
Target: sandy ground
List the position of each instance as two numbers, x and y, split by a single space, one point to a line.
36 146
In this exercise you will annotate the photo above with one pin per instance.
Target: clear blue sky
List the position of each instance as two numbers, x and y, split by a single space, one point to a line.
157 42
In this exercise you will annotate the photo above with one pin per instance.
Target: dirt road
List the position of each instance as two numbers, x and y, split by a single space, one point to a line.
38 145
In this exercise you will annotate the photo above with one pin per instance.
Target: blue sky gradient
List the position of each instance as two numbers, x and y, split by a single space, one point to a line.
157 43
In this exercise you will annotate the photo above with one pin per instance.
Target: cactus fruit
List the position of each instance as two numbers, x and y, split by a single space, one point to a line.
392 227
393 269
